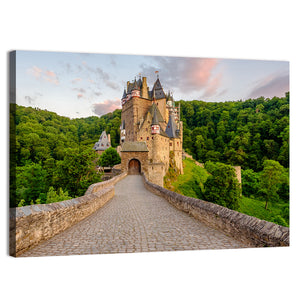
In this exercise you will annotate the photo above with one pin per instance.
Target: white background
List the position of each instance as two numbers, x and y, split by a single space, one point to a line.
222 29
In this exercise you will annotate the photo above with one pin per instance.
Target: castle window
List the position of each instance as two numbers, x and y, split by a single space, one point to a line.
147 138
170 144
141 137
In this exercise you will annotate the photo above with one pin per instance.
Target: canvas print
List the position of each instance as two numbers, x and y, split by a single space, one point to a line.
132 153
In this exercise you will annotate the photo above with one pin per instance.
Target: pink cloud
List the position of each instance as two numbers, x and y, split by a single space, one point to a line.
79 96
212 86
270 86
44 75
50 74
198 71
106 106
186 73
35 72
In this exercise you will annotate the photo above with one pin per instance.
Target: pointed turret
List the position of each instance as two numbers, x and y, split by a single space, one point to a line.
155 118
144 89
135 89
158 90
155 128
124 94
171 127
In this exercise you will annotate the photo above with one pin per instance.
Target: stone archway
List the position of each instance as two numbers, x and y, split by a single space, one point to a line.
134 167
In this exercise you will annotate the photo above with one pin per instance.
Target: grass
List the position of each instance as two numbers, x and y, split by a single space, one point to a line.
278 212
191 184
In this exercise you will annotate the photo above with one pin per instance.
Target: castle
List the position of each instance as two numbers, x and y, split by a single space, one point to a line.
151 131
103 143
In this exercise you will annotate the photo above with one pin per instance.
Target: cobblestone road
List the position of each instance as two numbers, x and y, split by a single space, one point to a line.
134 220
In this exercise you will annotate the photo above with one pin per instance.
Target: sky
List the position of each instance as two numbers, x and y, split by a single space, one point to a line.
89 84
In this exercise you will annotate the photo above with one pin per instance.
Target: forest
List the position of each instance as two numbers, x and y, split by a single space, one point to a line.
240 133
52 158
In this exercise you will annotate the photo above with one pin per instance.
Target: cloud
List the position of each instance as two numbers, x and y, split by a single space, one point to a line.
212 86
33 98
106 106
79 96
76 80
270 86
35 72
43 75
185 73
81 90
30 100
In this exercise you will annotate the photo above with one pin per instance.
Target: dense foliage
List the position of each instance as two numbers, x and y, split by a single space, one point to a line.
192 184
221 186
109 158
243 133
51 156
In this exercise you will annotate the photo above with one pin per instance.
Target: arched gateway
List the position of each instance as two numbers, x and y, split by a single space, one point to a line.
134 167
134 158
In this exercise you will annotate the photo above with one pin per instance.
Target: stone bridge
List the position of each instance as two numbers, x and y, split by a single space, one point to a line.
136 216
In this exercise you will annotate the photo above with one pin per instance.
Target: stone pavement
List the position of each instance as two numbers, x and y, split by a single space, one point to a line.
134 220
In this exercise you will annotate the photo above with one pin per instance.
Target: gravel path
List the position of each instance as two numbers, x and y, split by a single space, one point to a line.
134 220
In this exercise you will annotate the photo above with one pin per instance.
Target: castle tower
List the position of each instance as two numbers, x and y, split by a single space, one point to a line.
152 129
144 89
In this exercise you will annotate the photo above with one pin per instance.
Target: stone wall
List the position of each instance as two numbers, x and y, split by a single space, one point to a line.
104 184
249 230
30 225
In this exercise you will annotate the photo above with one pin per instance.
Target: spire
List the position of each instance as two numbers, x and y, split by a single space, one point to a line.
124 94
171 127
155 128
153 95
158 90
155 118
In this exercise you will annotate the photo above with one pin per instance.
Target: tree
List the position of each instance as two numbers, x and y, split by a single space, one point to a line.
222 186
109 158
250 182
270 179
76 171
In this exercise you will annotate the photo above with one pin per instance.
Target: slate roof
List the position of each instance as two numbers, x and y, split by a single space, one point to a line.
155 118
171 127
134 147
103 142
157 90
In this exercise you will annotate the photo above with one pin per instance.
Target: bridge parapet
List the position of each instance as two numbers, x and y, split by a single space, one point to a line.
32 224
102 185
249 230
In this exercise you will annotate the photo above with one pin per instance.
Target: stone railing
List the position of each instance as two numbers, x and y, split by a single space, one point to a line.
32 224
101 185
249 230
